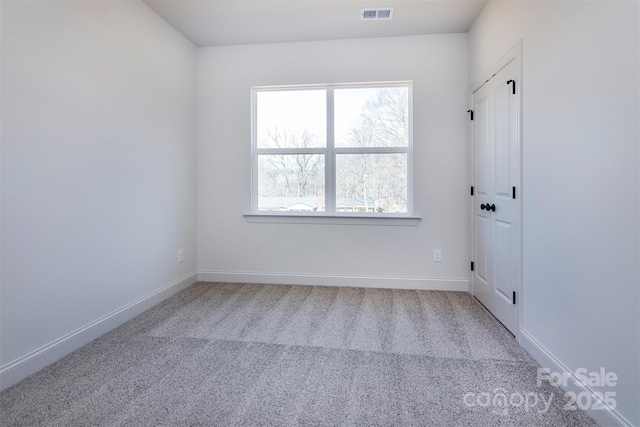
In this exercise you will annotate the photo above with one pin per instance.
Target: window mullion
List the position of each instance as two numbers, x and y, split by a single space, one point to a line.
330 158
371 150
290 151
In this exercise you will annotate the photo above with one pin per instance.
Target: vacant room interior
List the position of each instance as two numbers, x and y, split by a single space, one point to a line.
141 282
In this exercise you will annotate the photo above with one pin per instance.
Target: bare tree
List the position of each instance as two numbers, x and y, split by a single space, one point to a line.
291 175
383 122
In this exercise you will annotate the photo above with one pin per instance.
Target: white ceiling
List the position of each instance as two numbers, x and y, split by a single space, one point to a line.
232 22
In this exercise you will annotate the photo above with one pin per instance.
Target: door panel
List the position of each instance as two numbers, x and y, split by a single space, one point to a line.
502 255
482 186
502 168
482 246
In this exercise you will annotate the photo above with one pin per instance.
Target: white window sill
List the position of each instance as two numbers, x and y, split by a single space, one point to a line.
412 221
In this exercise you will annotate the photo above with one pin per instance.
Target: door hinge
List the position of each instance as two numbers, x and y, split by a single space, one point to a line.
514 85
514 297
472 265
472 190
471 114
514 192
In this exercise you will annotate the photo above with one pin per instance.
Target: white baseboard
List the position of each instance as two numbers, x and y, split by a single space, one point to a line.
604 416
33 362
419 283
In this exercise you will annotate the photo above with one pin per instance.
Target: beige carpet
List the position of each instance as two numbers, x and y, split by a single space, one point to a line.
242 354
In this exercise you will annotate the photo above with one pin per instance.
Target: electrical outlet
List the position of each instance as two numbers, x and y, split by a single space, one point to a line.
437 255
180 255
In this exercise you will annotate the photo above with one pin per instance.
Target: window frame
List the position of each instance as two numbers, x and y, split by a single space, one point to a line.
330 151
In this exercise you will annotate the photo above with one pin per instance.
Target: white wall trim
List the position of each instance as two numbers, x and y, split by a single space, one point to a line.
604 416
31 363
418 283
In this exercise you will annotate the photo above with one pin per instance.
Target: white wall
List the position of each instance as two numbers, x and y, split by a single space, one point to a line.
231 249
581 178
98 170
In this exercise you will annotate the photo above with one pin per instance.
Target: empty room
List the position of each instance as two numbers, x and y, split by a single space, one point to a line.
317 212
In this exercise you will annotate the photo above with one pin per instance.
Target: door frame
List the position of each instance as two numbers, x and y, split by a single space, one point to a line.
514 54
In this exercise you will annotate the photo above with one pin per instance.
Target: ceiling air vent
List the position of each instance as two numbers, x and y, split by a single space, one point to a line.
378 14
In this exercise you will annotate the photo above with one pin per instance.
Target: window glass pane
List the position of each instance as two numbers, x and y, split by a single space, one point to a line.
371 183
371 117
293 183
291 118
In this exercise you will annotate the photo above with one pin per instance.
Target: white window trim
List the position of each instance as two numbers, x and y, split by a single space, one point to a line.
346 219
330 215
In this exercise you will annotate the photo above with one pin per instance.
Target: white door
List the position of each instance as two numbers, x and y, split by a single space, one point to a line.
496 248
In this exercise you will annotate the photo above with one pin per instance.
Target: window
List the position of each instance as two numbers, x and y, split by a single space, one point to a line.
332 150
